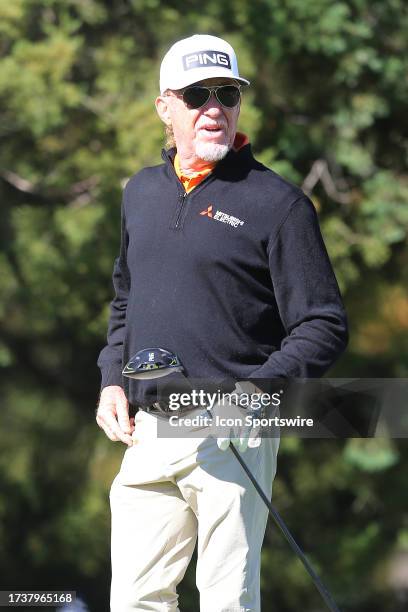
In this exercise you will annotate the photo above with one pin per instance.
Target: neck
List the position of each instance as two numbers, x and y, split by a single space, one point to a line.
192 164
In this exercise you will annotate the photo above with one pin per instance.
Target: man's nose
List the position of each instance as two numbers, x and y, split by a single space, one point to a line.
212 106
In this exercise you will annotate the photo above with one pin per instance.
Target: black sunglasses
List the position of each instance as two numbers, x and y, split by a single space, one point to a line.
197 95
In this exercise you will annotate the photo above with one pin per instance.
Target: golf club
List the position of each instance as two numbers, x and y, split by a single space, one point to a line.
328 599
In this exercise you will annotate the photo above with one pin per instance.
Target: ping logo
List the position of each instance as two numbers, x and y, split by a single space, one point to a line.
207 212
222 217
206 59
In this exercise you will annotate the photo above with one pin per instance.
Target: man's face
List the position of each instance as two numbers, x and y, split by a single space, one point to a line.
205 133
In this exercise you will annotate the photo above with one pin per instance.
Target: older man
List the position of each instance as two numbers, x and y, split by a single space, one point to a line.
221 262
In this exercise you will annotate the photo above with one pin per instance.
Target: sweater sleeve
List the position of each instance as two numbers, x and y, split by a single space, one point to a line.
308 299
110 358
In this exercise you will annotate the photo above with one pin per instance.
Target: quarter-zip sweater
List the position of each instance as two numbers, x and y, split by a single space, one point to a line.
234 277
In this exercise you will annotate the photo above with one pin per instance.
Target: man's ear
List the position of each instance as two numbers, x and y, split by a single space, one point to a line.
163 110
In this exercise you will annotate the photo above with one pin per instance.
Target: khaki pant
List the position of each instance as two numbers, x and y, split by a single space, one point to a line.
170 494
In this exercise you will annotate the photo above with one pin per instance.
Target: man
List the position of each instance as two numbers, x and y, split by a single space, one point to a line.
221 262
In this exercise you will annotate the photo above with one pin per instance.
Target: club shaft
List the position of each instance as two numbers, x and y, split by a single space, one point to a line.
282 526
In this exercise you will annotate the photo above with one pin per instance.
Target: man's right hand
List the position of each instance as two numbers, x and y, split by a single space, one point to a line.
112 415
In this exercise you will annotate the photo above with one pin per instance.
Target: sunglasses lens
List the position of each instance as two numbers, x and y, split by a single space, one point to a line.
195 97
228 96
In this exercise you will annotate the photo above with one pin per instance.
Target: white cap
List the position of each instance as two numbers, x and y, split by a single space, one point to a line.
197 58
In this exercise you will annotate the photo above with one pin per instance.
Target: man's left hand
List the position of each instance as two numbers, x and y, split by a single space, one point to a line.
242 433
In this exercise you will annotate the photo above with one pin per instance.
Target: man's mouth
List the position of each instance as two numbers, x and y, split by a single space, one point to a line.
212 129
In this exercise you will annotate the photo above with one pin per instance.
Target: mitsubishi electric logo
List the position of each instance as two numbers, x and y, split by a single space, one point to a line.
206 59
207 212
221 216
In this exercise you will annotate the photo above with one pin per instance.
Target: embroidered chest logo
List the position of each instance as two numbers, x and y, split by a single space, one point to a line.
207 212
222 217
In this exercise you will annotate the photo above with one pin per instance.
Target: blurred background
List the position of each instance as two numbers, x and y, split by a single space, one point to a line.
327 109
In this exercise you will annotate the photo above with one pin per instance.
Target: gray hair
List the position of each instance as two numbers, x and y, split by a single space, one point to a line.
170 141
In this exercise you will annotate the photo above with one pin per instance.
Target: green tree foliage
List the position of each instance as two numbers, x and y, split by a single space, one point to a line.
327 110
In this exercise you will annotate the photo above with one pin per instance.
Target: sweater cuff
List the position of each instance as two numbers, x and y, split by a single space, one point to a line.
111 375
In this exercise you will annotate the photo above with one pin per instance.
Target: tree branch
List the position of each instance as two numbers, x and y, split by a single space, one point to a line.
80 191
320 172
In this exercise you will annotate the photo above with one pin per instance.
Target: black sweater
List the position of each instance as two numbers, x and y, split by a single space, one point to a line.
233 277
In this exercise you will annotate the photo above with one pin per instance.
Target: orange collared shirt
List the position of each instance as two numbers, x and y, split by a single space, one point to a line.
192 180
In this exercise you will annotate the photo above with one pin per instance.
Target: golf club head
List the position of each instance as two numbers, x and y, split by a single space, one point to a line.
151 363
